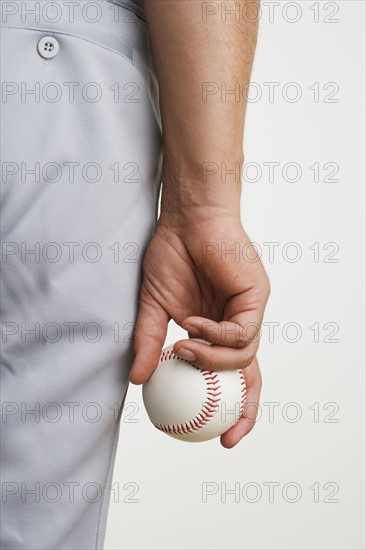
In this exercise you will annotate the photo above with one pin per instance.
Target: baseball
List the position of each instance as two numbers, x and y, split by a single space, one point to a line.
190 403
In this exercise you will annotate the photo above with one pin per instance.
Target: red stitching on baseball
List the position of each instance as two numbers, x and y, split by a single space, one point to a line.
243 393
209 408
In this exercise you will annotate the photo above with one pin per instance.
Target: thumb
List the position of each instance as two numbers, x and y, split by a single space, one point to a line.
149 337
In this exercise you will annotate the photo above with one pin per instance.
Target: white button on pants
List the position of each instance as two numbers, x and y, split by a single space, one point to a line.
48 47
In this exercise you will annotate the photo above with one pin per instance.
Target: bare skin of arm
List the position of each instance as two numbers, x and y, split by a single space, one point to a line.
191 274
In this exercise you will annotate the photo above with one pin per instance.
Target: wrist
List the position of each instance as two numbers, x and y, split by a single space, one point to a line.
205 191
188 205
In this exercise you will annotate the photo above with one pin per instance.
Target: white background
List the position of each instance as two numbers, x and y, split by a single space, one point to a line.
325 378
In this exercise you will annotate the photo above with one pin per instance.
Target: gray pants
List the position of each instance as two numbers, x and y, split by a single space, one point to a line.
81 152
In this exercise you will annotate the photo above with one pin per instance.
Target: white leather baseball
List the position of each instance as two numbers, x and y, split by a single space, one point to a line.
190 403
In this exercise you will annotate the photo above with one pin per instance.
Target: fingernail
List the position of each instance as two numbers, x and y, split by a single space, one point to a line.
186 354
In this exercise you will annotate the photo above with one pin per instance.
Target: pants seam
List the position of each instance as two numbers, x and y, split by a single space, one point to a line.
107 474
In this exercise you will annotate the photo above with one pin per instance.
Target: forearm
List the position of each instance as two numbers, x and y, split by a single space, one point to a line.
198 58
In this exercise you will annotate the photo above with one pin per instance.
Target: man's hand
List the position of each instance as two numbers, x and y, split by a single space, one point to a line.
205 276
199 268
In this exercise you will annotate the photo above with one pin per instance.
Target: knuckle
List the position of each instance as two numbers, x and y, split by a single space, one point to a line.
267 287
251 413
243 364
209 362
240 337
201 361
246 360
251 427
252 333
